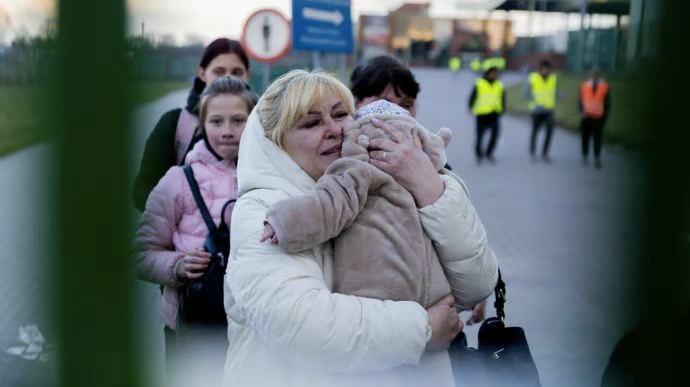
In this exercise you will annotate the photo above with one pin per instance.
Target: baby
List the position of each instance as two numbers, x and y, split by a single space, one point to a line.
381 250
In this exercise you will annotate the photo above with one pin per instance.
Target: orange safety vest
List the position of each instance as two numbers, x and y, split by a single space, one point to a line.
593 101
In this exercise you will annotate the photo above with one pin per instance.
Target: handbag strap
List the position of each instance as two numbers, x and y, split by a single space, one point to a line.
500 294
222 213
189 173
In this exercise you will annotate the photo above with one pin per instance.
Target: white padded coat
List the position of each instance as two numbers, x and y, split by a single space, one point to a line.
287 327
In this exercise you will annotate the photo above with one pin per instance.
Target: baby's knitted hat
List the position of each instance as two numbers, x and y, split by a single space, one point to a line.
358 133
381 107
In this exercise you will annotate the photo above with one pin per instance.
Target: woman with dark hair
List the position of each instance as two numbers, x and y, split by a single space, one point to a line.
176 130
385 77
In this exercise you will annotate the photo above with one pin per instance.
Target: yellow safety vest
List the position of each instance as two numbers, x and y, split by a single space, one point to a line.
454 64
489 98
476 64
498 61
543 91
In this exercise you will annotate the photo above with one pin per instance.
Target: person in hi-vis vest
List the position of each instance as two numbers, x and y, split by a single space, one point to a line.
487 103
542 97
594 104
454 64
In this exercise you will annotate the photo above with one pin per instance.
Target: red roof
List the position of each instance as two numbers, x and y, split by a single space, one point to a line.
413 8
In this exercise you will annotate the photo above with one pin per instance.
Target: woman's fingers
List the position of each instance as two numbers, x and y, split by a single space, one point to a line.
395 134
383 156
478 313
268 233
192 275
382 144
196 267
416 141
382 165
447 300
197 260
199 253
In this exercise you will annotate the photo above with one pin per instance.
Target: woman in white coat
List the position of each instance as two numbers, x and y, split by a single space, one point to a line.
286 326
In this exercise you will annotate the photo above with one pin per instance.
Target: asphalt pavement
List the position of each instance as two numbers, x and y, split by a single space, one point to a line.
562 233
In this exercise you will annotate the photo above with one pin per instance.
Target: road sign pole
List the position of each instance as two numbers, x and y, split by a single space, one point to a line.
315 60
266 76
343 67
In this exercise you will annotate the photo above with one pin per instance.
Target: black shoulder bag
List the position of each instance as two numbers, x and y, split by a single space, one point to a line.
201 300
502 358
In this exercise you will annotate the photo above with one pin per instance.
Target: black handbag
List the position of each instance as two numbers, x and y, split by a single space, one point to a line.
201 299
502 356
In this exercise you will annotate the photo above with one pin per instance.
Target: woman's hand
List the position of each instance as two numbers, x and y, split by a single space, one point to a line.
193 265
478 313
404 159
269 233
445 324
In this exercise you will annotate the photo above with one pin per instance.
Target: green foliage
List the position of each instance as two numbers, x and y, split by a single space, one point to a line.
20 126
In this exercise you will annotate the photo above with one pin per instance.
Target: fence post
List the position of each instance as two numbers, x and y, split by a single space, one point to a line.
92 273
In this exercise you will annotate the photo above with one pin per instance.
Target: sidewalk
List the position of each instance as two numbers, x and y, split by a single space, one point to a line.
561 232
25 260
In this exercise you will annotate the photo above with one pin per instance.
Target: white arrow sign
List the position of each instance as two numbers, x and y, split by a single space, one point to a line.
335 17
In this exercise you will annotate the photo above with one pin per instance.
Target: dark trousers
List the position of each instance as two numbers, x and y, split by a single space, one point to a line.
591 128
486 122
539 119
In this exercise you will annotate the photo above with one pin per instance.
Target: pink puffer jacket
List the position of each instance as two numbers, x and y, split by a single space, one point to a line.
172 224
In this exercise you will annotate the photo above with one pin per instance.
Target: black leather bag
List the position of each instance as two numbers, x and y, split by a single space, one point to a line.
502 357
201 300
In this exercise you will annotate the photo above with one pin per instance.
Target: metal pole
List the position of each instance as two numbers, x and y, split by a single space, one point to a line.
616 56
343 68
315 62
266 76
634 27
93 273
532 5
583 37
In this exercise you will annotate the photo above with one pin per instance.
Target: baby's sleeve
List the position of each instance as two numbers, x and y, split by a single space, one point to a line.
304 221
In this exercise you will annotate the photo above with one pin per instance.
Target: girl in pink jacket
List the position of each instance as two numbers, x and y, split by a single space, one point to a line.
172 232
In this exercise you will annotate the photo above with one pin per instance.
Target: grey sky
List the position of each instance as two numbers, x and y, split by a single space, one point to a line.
203 20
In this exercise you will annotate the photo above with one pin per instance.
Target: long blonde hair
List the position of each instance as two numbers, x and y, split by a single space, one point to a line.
290 97
222 86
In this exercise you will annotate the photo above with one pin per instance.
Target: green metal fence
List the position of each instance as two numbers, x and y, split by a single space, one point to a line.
602 48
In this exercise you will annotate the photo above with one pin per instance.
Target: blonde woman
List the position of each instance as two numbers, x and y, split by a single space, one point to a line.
286 325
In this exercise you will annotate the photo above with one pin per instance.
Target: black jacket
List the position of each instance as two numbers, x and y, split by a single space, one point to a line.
159 153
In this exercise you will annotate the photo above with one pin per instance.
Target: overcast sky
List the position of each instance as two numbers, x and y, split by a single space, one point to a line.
203 20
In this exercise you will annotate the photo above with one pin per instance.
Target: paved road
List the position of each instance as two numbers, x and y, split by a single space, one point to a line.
25 262
561 231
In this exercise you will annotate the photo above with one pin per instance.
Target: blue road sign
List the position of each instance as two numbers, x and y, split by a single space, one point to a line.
322 25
